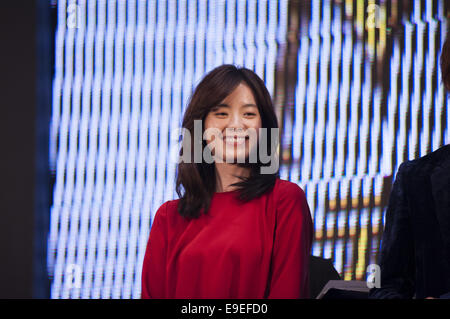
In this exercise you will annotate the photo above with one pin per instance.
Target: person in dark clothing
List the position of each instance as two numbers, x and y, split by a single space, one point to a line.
415 250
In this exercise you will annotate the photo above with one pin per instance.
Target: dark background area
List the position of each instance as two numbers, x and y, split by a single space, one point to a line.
25 90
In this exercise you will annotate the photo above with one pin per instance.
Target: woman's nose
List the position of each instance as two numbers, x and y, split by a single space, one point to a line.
235 122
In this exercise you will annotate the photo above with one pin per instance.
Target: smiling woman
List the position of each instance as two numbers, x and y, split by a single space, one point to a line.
235 232
232 101
237 115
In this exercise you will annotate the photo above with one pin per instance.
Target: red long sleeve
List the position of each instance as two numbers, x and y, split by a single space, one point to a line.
292 245
258 249
155 258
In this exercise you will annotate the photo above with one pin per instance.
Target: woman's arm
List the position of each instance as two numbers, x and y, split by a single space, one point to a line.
292 246
154 266
397 251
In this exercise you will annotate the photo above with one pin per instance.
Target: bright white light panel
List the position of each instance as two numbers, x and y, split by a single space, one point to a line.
124 71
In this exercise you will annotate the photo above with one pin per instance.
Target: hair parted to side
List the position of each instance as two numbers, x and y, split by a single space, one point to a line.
445 61
198 179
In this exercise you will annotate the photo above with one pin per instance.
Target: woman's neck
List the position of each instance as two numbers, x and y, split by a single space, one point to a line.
225 176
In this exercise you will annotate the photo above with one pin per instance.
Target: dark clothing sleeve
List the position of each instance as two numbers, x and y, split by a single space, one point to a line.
397 247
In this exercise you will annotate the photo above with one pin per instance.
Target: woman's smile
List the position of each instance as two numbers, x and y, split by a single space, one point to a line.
235 140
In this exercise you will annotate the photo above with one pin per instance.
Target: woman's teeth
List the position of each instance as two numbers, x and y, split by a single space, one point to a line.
238 140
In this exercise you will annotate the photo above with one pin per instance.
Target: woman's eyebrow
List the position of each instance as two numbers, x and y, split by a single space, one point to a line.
216 107
244 105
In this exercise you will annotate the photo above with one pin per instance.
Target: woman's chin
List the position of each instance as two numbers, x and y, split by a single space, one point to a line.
231 158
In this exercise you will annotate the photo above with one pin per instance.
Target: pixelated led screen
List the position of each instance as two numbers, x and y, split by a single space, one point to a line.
356 87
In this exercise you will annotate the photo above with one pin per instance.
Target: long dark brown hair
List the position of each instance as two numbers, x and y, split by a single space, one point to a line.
445 61
198 179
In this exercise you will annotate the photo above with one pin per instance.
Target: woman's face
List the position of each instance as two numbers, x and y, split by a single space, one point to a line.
236 117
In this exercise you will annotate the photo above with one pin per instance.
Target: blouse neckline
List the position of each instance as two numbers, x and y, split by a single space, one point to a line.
226 193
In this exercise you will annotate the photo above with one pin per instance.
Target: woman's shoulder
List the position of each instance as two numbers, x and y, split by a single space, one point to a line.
282 185
290 200
287 190
168 208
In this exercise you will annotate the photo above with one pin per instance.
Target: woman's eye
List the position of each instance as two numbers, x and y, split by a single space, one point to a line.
221 114
250 114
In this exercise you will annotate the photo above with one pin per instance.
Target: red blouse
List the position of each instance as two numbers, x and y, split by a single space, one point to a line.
253 250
